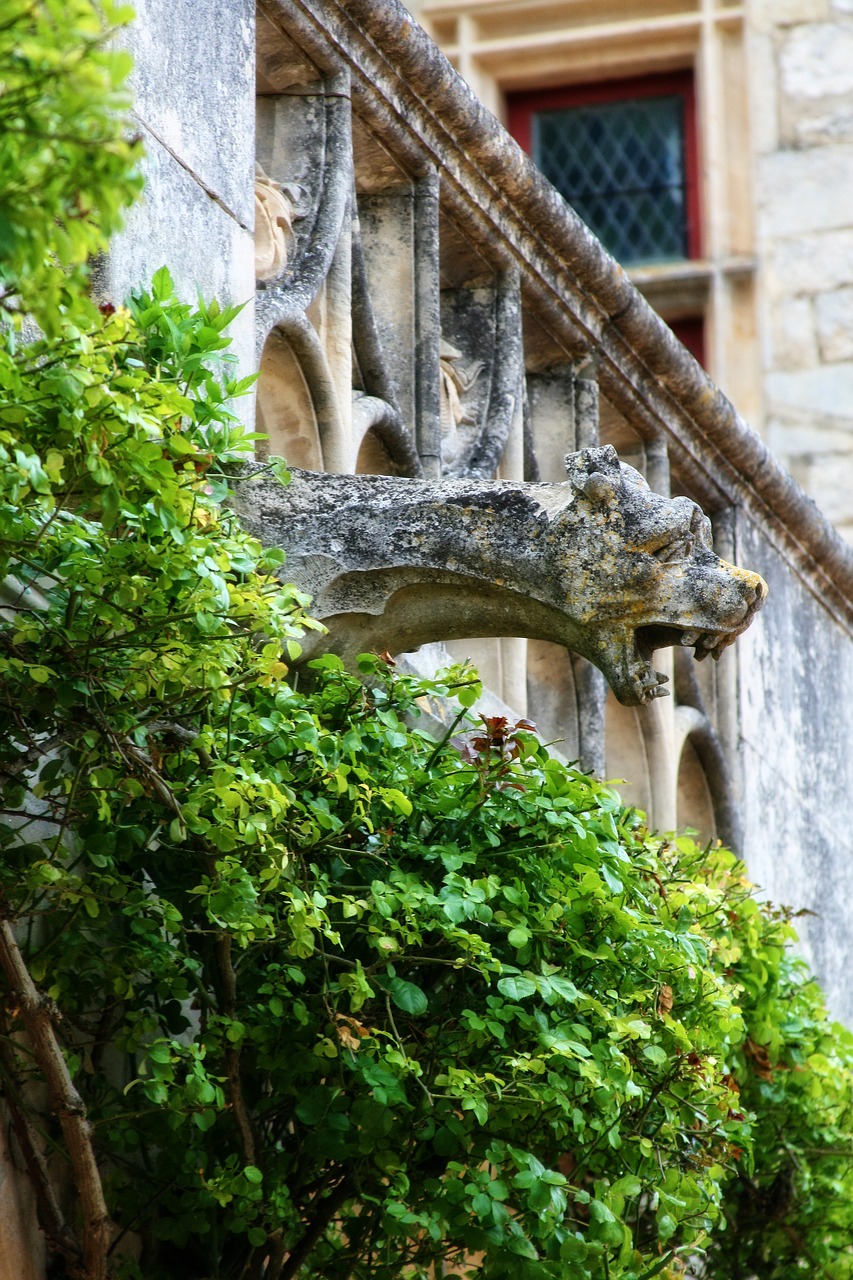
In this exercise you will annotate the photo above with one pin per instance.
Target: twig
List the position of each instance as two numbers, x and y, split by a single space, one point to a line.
228 978
66 1104
299 1256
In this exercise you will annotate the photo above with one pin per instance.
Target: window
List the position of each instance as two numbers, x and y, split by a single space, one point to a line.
623 154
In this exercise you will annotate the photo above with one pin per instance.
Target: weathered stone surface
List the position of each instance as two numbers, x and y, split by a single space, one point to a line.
826 391
805 191
793 431
810 263
600 564
816 60
204 248
795 683
824 129
835 324
792 335
785 12
830 474
193 80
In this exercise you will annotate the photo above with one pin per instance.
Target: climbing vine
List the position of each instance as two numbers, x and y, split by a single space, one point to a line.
291 986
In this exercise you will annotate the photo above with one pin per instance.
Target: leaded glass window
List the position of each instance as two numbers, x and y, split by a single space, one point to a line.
621 165
624 154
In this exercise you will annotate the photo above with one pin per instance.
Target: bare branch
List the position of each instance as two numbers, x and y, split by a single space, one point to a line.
228 980
50 1214
66 1104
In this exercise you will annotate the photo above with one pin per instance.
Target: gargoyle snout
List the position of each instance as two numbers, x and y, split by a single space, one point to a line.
752 587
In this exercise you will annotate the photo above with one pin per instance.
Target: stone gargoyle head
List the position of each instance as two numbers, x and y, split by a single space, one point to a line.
599 563
646 569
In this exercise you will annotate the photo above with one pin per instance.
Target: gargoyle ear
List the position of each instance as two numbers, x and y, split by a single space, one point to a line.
595 473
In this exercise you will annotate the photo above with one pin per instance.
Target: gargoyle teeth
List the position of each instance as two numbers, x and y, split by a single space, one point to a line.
707 643
651 684
721 646
689 638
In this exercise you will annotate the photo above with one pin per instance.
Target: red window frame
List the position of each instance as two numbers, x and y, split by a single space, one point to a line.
690 331
523 105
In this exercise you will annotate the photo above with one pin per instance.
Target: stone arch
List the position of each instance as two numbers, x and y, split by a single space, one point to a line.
694 799
286 412
705 793
627 755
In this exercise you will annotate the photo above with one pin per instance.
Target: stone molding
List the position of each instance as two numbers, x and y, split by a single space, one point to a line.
406 89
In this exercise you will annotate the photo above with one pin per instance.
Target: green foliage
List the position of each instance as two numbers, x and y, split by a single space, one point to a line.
789 1214
337 994
67 167
340 1000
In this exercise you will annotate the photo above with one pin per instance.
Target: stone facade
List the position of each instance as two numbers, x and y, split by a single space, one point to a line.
429 309
774 81
802 55
457 320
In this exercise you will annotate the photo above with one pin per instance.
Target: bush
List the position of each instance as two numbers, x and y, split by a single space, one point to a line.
289 986
336 995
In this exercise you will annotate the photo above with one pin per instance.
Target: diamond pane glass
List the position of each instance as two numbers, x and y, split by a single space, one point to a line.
621 167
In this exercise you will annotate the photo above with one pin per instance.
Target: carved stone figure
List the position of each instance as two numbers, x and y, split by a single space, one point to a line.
600 564
275 207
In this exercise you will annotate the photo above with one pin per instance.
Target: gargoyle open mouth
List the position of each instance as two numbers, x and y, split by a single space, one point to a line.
647 683
644 682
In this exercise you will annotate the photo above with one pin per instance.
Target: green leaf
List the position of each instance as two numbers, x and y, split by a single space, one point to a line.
407 996
516 988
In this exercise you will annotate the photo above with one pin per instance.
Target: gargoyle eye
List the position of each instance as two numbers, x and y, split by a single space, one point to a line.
678 549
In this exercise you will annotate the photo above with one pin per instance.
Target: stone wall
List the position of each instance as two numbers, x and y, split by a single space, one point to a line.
795 678
194 103
801 80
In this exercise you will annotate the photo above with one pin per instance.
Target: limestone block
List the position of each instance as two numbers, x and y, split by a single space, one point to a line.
816 60
793 340
823 129
828 478
767 13
824 391
800 433
804 191
809 263
193 80
835 324
795 672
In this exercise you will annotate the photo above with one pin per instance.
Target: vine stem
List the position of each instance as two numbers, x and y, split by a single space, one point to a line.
324 1215
232 1053
66 1104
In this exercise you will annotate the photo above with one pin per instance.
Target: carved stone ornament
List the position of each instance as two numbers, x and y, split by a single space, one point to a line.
599 563
274 213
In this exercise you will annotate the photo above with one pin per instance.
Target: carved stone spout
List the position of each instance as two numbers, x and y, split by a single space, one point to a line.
600 564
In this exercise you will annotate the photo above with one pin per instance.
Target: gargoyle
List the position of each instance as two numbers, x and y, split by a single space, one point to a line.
599 563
